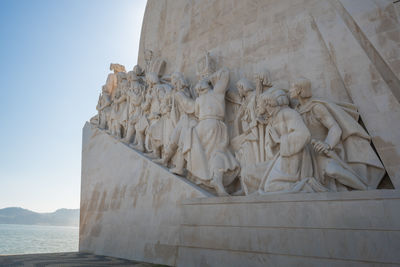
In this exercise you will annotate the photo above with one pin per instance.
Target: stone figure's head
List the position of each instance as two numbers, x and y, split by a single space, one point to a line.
117 68
244 87
270 102
138 70
152 78
178 81
301 88
203 86
132 77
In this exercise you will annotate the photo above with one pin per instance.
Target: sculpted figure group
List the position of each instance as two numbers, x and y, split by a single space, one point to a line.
284 140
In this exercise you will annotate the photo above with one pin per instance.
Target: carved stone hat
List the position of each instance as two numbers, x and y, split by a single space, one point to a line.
117 67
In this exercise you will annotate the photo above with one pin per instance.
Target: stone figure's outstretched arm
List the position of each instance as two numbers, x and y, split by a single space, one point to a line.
334 130
220 80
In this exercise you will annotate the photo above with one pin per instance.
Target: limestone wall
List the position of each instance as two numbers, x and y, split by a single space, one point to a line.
130 207
134 209
350 49
325 229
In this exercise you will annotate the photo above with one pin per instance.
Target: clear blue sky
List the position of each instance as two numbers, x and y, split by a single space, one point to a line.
54 57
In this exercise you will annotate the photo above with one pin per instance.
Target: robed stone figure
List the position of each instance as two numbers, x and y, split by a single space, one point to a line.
208 157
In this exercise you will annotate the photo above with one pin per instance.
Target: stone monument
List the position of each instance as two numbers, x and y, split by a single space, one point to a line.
250 133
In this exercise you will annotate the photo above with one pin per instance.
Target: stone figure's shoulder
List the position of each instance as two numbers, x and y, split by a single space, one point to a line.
290 113
319 109
314 107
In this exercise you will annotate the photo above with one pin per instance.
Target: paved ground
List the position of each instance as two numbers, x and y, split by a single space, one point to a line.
75 259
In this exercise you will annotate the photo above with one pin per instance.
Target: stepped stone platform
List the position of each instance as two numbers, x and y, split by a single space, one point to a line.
67 259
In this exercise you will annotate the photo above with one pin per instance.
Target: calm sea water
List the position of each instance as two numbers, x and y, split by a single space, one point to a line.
26 239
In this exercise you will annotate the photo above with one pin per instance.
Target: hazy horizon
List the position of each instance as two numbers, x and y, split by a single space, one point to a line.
55 57
19 207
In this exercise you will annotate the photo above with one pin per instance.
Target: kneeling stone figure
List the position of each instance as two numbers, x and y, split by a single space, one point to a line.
340 148
290 168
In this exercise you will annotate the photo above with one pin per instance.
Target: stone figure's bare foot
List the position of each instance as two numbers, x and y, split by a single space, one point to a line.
221 192
219 188
178 171
125 141
240 192
138 147
159 161
151 155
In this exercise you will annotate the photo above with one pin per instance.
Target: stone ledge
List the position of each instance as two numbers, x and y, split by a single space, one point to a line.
299 197
359 228
196 256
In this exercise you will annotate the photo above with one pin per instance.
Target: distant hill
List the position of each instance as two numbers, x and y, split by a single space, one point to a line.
61 217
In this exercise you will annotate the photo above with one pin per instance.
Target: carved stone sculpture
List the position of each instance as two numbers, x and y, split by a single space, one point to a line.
250 145
319 146
138 71
263 81
135 96
182 116
104 109
205 66
111 82
149 110
161 125
119 112
263 84
208 157
247 143
286 137
154 63
340 148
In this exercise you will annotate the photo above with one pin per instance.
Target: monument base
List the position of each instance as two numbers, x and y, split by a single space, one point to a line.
358 228
135 209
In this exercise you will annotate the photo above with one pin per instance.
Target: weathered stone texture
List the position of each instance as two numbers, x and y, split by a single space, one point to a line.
325 229
348 49
130 207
